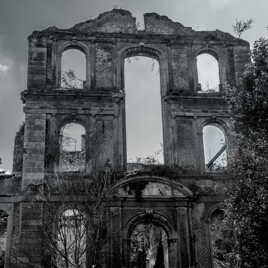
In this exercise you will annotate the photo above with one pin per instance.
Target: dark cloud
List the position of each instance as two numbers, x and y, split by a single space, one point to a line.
18 18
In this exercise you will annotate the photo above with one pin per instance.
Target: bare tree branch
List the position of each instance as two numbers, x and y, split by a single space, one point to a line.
241 26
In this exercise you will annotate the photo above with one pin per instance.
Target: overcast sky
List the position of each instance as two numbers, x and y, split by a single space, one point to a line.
18 18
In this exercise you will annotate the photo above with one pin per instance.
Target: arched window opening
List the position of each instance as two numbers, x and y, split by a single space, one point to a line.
214 148
73 69
220 238
143 111
149 246
3 236
208 73
72 148
71 237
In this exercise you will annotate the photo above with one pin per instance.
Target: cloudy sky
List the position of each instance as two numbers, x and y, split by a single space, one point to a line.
19 18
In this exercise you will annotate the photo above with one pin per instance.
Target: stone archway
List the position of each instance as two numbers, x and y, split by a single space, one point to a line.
151 213
151 242
148 246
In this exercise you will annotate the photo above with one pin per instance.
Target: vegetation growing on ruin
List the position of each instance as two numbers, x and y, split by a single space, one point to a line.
248 202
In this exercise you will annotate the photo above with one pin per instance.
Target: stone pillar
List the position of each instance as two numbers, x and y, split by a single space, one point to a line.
119 154
116 241
223 63
37 63
102 142
230 68
185 146
184 235
173 250
34 149
203 255
30 243
30 249
241 58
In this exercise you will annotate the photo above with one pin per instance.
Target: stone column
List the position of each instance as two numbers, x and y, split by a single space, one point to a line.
184 235
34 149
203 256
115 250
30 244
241 58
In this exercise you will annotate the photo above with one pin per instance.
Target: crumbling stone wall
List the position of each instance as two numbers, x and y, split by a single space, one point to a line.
100 106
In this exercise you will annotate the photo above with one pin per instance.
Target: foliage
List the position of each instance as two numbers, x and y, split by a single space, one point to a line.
248 202
70 80
241 26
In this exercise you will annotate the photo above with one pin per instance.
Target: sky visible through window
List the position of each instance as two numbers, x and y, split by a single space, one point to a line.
74 60
143 109
213 140
71 135
208 72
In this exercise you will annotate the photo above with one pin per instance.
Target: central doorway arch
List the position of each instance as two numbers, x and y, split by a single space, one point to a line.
153 223
148 246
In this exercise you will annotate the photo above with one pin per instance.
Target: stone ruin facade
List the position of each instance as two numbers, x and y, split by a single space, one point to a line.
185 207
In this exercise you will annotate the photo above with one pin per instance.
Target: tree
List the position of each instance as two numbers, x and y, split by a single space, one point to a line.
80 227
248 202
241 26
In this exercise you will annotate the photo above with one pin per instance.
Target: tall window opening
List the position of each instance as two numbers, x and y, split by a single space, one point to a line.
3 236
73 69
71 239
149 246
72 148
143 111
214 148
208 73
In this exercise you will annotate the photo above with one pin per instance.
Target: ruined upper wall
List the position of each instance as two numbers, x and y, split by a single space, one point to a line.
113 36
122 21
99 105
115 21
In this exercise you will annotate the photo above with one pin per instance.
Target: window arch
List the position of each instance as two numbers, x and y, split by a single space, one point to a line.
72 142
3 236
73 69
71 236
208 73
214 147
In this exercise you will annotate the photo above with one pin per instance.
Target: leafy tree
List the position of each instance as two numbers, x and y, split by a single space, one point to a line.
248 202
241 26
